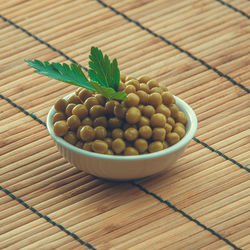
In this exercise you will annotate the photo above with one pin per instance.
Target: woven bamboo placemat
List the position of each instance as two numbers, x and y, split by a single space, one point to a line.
200 50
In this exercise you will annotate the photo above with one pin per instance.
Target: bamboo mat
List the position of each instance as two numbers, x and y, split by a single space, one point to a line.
200 50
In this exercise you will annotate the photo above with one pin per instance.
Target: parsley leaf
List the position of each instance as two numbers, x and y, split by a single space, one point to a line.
109 93
102 70
104 76
63 72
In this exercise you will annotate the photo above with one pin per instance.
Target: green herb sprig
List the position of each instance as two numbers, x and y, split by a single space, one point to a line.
104 75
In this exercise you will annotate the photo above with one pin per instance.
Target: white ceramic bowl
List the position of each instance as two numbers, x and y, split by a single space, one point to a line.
125 167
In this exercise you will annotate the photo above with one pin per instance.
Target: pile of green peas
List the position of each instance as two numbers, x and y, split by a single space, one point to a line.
149 121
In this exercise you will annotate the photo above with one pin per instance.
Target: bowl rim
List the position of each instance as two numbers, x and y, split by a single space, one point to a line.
182 105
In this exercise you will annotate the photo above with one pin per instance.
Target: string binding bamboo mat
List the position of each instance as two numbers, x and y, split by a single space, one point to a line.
200 50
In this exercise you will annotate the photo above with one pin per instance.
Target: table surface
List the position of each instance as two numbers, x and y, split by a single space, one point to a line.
200 51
